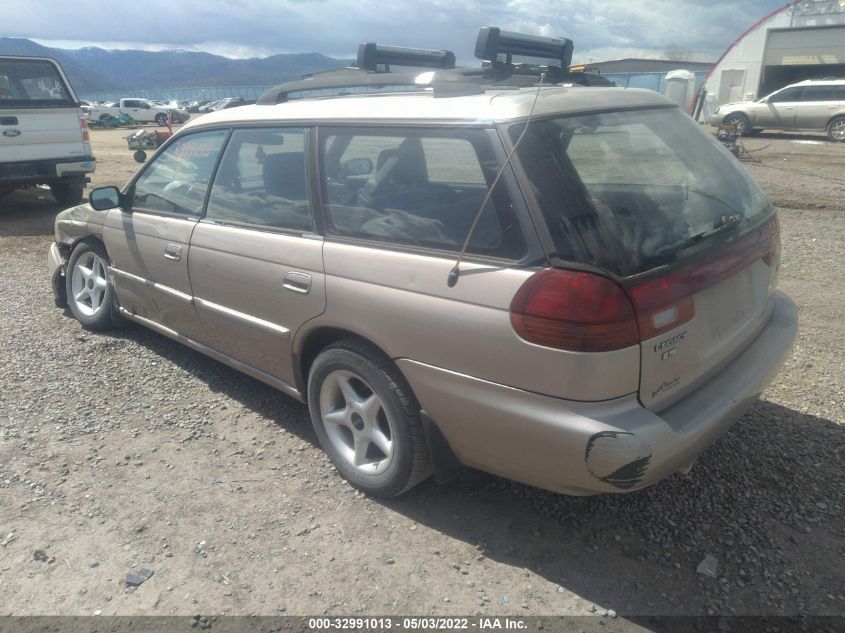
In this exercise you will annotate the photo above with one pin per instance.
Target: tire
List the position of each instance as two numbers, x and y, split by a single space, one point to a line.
67 194
140 156
161 120
90 294
836 130
367 419
743 125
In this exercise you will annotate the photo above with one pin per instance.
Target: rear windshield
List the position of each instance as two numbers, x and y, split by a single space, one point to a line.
32 83
630 191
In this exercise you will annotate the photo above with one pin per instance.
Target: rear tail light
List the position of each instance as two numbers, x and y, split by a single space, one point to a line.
772 258
586 312
575 311
86 135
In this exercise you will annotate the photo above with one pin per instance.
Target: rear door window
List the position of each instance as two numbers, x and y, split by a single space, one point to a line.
818 93
32 83
262 181
417 188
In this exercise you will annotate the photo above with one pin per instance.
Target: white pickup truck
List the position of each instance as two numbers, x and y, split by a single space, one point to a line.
43 132
141 110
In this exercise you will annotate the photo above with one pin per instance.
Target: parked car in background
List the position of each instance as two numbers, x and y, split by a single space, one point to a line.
815 105
230 102
194 106
141 110
209 106
573 287
43 132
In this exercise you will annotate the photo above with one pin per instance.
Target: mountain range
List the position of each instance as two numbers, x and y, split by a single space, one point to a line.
95 70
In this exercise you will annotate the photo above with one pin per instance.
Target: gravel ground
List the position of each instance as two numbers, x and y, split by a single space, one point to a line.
124 451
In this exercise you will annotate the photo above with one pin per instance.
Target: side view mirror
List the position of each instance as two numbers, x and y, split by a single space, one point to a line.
105 198
357 167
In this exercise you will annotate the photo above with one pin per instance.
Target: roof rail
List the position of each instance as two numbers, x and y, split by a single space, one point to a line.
373 73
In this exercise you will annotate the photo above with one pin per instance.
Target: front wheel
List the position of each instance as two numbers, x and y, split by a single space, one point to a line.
161 120
66 193
367 419
836 130
89 293
140 156
740 122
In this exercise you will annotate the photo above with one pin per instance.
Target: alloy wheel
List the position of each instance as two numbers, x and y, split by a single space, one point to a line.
356 422
89 283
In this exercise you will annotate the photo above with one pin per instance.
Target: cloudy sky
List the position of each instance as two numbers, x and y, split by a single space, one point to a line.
601 29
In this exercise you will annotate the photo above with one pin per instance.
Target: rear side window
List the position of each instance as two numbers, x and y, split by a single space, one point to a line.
177 180
32 83
262 181
418 188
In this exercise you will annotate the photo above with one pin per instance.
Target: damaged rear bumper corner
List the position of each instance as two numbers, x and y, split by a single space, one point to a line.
585 448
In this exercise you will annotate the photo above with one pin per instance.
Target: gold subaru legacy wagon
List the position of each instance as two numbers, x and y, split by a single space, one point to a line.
500 267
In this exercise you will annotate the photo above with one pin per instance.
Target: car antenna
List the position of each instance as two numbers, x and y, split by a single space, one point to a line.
455 273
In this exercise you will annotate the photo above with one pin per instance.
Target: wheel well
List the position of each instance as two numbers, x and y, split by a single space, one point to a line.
834 118
317 341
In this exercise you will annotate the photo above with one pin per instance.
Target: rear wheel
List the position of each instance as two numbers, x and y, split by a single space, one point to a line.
836 130
367 419
89 293
161 120
140 156
67 193
740 121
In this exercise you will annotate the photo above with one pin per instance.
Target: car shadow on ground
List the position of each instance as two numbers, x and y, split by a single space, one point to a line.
750 501
28 212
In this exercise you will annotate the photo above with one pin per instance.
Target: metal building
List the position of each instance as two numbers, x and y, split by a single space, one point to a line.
802 40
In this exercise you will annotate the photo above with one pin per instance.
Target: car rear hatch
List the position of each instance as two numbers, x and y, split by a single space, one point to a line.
39 116
646 199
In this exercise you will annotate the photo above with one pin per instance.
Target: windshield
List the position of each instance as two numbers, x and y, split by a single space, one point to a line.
31 83
630 191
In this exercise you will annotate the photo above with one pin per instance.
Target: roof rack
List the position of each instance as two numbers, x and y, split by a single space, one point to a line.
496 49
372 55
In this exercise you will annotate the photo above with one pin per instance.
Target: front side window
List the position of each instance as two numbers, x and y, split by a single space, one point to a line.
790 94
262 181
177 180
418 188
31 83
629 191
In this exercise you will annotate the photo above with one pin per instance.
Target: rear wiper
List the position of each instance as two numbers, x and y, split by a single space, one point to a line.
721 225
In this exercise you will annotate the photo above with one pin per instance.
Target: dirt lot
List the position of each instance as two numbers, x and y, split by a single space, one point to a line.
124 450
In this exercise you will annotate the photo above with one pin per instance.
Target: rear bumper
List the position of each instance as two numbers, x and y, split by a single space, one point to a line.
46 171
590 448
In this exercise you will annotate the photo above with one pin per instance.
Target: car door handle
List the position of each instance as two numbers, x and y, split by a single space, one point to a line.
173 252
297 282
